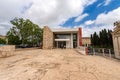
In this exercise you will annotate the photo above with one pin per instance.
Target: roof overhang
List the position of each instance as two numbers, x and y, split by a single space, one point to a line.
62 39
75 30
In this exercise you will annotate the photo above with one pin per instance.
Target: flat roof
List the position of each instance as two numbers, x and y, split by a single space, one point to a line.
74 30
62 39
85 37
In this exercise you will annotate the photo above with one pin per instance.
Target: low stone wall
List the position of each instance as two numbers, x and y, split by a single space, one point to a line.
82 50
47 38
7 50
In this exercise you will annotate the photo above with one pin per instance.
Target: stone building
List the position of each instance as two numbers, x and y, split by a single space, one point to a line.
86 41
2 37
61 38
116 39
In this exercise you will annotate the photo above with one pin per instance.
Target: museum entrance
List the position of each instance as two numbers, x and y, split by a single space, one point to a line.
60 44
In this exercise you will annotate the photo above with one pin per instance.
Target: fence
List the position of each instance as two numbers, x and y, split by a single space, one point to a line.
101 52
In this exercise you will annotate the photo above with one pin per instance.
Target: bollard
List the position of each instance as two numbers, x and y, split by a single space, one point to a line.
86 51
93 51
103 52
109 53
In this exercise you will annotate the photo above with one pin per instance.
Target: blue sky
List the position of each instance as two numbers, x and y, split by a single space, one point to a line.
90 15
93 11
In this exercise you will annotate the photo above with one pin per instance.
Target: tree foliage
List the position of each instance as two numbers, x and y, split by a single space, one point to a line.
24 32
103 39
2 41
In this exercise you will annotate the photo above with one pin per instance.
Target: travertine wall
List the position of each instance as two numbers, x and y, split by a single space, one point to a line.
116 39
7 50
116 43
47 38
86 41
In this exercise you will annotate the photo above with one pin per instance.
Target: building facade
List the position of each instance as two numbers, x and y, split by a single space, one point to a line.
61 38
86 41
116 40
2 37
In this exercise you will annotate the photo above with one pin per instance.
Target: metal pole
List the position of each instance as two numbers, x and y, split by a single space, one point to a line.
109 53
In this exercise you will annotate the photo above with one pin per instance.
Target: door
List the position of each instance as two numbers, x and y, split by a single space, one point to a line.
61 44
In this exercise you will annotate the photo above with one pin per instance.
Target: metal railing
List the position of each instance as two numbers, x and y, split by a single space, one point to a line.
101 52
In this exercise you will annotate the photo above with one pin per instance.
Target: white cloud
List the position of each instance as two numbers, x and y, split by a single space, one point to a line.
79 18
108 18
103 21
10 9
4 27
89 22
56 11
107 2
87 30
42 12
89 2
100 4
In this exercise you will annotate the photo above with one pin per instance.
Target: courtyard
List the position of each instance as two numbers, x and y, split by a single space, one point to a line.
57 64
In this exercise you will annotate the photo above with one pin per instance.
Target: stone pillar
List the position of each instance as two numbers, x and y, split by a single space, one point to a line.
47 38
116 44
57 43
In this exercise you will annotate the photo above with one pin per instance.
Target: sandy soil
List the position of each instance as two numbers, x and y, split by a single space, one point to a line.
57 64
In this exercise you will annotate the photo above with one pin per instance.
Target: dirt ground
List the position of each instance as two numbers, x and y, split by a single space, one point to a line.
57 64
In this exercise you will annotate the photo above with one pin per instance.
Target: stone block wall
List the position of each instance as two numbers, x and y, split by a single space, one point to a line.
47 38
86 41
7 50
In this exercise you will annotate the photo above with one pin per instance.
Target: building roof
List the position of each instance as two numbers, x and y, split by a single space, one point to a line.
62 39
74 30
85 37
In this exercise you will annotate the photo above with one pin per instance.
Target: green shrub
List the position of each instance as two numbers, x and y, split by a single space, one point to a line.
2 41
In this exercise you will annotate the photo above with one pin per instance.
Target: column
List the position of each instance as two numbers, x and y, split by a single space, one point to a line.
78 39
118 46
57 44
80 36
71 40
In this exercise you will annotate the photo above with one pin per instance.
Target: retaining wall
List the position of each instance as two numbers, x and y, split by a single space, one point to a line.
7 50
82 50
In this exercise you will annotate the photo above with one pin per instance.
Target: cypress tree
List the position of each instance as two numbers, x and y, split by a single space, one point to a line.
103 39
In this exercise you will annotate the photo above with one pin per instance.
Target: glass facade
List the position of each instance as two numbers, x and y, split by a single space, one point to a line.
75 40
72 43
62 36
61 44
